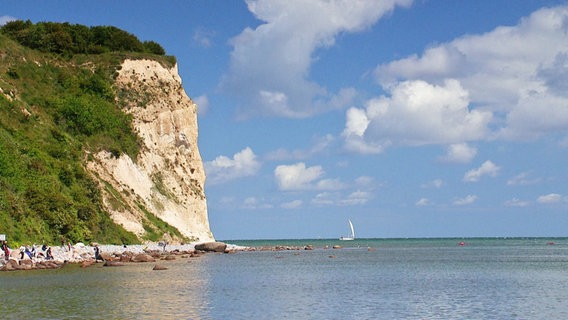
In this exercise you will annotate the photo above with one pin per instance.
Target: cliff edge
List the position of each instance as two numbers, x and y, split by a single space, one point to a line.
167 178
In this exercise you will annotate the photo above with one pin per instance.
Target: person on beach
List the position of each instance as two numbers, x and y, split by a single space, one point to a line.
28 252
98 255
6 250
49 255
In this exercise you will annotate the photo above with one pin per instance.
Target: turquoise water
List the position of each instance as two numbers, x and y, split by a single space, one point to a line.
396 279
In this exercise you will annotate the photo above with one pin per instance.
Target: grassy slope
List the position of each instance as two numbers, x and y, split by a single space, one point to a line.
45 192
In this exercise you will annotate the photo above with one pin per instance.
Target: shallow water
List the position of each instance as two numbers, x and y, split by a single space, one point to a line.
398 279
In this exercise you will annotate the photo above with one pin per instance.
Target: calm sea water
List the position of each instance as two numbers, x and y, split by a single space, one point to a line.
397 279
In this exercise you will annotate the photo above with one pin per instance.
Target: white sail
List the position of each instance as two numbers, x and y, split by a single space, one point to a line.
352 235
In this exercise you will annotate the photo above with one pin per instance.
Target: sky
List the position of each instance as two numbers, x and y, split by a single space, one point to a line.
422 118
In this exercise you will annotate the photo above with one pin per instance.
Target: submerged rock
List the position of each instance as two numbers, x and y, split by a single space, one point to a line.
159 267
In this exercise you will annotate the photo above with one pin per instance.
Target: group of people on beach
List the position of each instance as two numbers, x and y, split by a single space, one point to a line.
27 251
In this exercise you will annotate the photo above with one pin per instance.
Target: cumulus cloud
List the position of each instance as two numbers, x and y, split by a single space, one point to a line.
518 74
459 153
436 183
354 198
522 179
415 113
253 203
202 104
515 202
203 37
469 199
294 204
488 168
6 19
364 181
224 169
297 176
550 198
319 145
423 202
269 66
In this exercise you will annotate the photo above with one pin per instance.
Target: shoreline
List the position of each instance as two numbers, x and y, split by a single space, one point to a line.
118 255
113 255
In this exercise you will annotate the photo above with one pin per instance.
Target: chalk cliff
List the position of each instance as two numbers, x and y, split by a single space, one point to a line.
167 178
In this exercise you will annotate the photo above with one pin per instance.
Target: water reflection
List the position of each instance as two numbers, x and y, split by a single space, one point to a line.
400 282
132 291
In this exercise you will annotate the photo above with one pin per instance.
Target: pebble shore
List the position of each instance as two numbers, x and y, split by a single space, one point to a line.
113 255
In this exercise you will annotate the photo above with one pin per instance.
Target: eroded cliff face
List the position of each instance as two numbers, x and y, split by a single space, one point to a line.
167 179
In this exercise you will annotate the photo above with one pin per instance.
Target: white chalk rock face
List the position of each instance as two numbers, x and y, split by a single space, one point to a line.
167 178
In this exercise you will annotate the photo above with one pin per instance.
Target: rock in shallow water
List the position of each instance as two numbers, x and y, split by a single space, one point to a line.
159 267
142 257
211 246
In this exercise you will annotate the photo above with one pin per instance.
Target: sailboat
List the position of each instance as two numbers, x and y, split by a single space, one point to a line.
352 235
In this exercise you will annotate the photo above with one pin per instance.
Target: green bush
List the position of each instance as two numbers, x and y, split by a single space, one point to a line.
70 39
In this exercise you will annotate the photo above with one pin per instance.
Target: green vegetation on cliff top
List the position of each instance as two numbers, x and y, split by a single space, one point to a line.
57 105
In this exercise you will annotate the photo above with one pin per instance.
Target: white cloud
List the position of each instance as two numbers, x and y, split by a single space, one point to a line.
436 183
324 199
203 37
270 64
522 179
423 202
252 203
319 145
550 198
224 169
488 168
294 204
6 19
469 199
329 184
518 73
355 198
364 181
297 176
459 153
415 113
202 104
515 202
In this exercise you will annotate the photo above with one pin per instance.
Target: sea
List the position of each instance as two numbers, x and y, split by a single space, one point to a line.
474 278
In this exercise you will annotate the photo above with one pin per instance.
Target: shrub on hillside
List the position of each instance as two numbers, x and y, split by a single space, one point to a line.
70 39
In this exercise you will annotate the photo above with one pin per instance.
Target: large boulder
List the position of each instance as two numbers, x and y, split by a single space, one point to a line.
106 256
142 257
211 246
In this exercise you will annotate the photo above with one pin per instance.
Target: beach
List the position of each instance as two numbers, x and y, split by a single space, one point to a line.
85 254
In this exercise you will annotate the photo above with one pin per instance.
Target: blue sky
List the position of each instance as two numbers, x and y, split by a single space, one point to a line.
411 118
